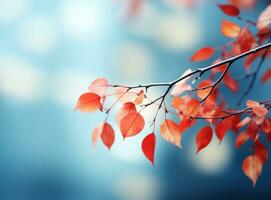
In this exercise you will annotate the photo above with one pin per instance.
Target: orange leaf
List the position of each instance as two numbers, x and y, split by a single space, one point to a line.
124 95
266 76
204 137
229 10
171 132
261 151
131 124
257 109
252 167
148 147
231 83
203 54
88 102
192 108
264 19
202 93
99 87
108 135
242 138
126 108
230 29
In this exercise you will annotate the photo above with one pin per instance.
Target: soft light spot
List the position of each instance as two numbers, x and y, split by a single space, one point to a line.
12 10
37 35
212 159
134 60
178 32
68 85
81 19
20 80
138 187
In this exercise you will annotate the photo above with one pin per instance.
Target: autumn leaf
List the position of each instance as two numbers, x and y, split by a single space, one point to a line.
140 98
88 102
261 151
264 19
204 137
230 29
126 108
204 88
257 109
148 147
244 122
186 123
131 124
96 134
99 87
266 76
231 83
203 54
222 128
171 132
182 86
241 139
229 10
108 135
252 167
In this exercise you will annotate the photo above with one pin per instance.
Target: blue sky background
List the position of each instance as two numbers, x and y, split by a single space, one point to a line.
50 51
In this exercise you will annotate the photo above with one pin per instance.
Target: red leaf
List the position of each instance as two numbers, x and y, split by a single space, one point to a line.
230 29
252 167
244 122
264 19
88 102
261 151
204 137
108 135
171 132
222 128
126 108
266 76
185 124
231 83
229 10
203 54
99 87
202 93
148 147
241 139
131 124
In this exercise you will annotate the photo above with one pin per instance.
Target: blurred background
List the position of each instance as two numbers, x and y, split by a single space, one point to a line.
50 51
